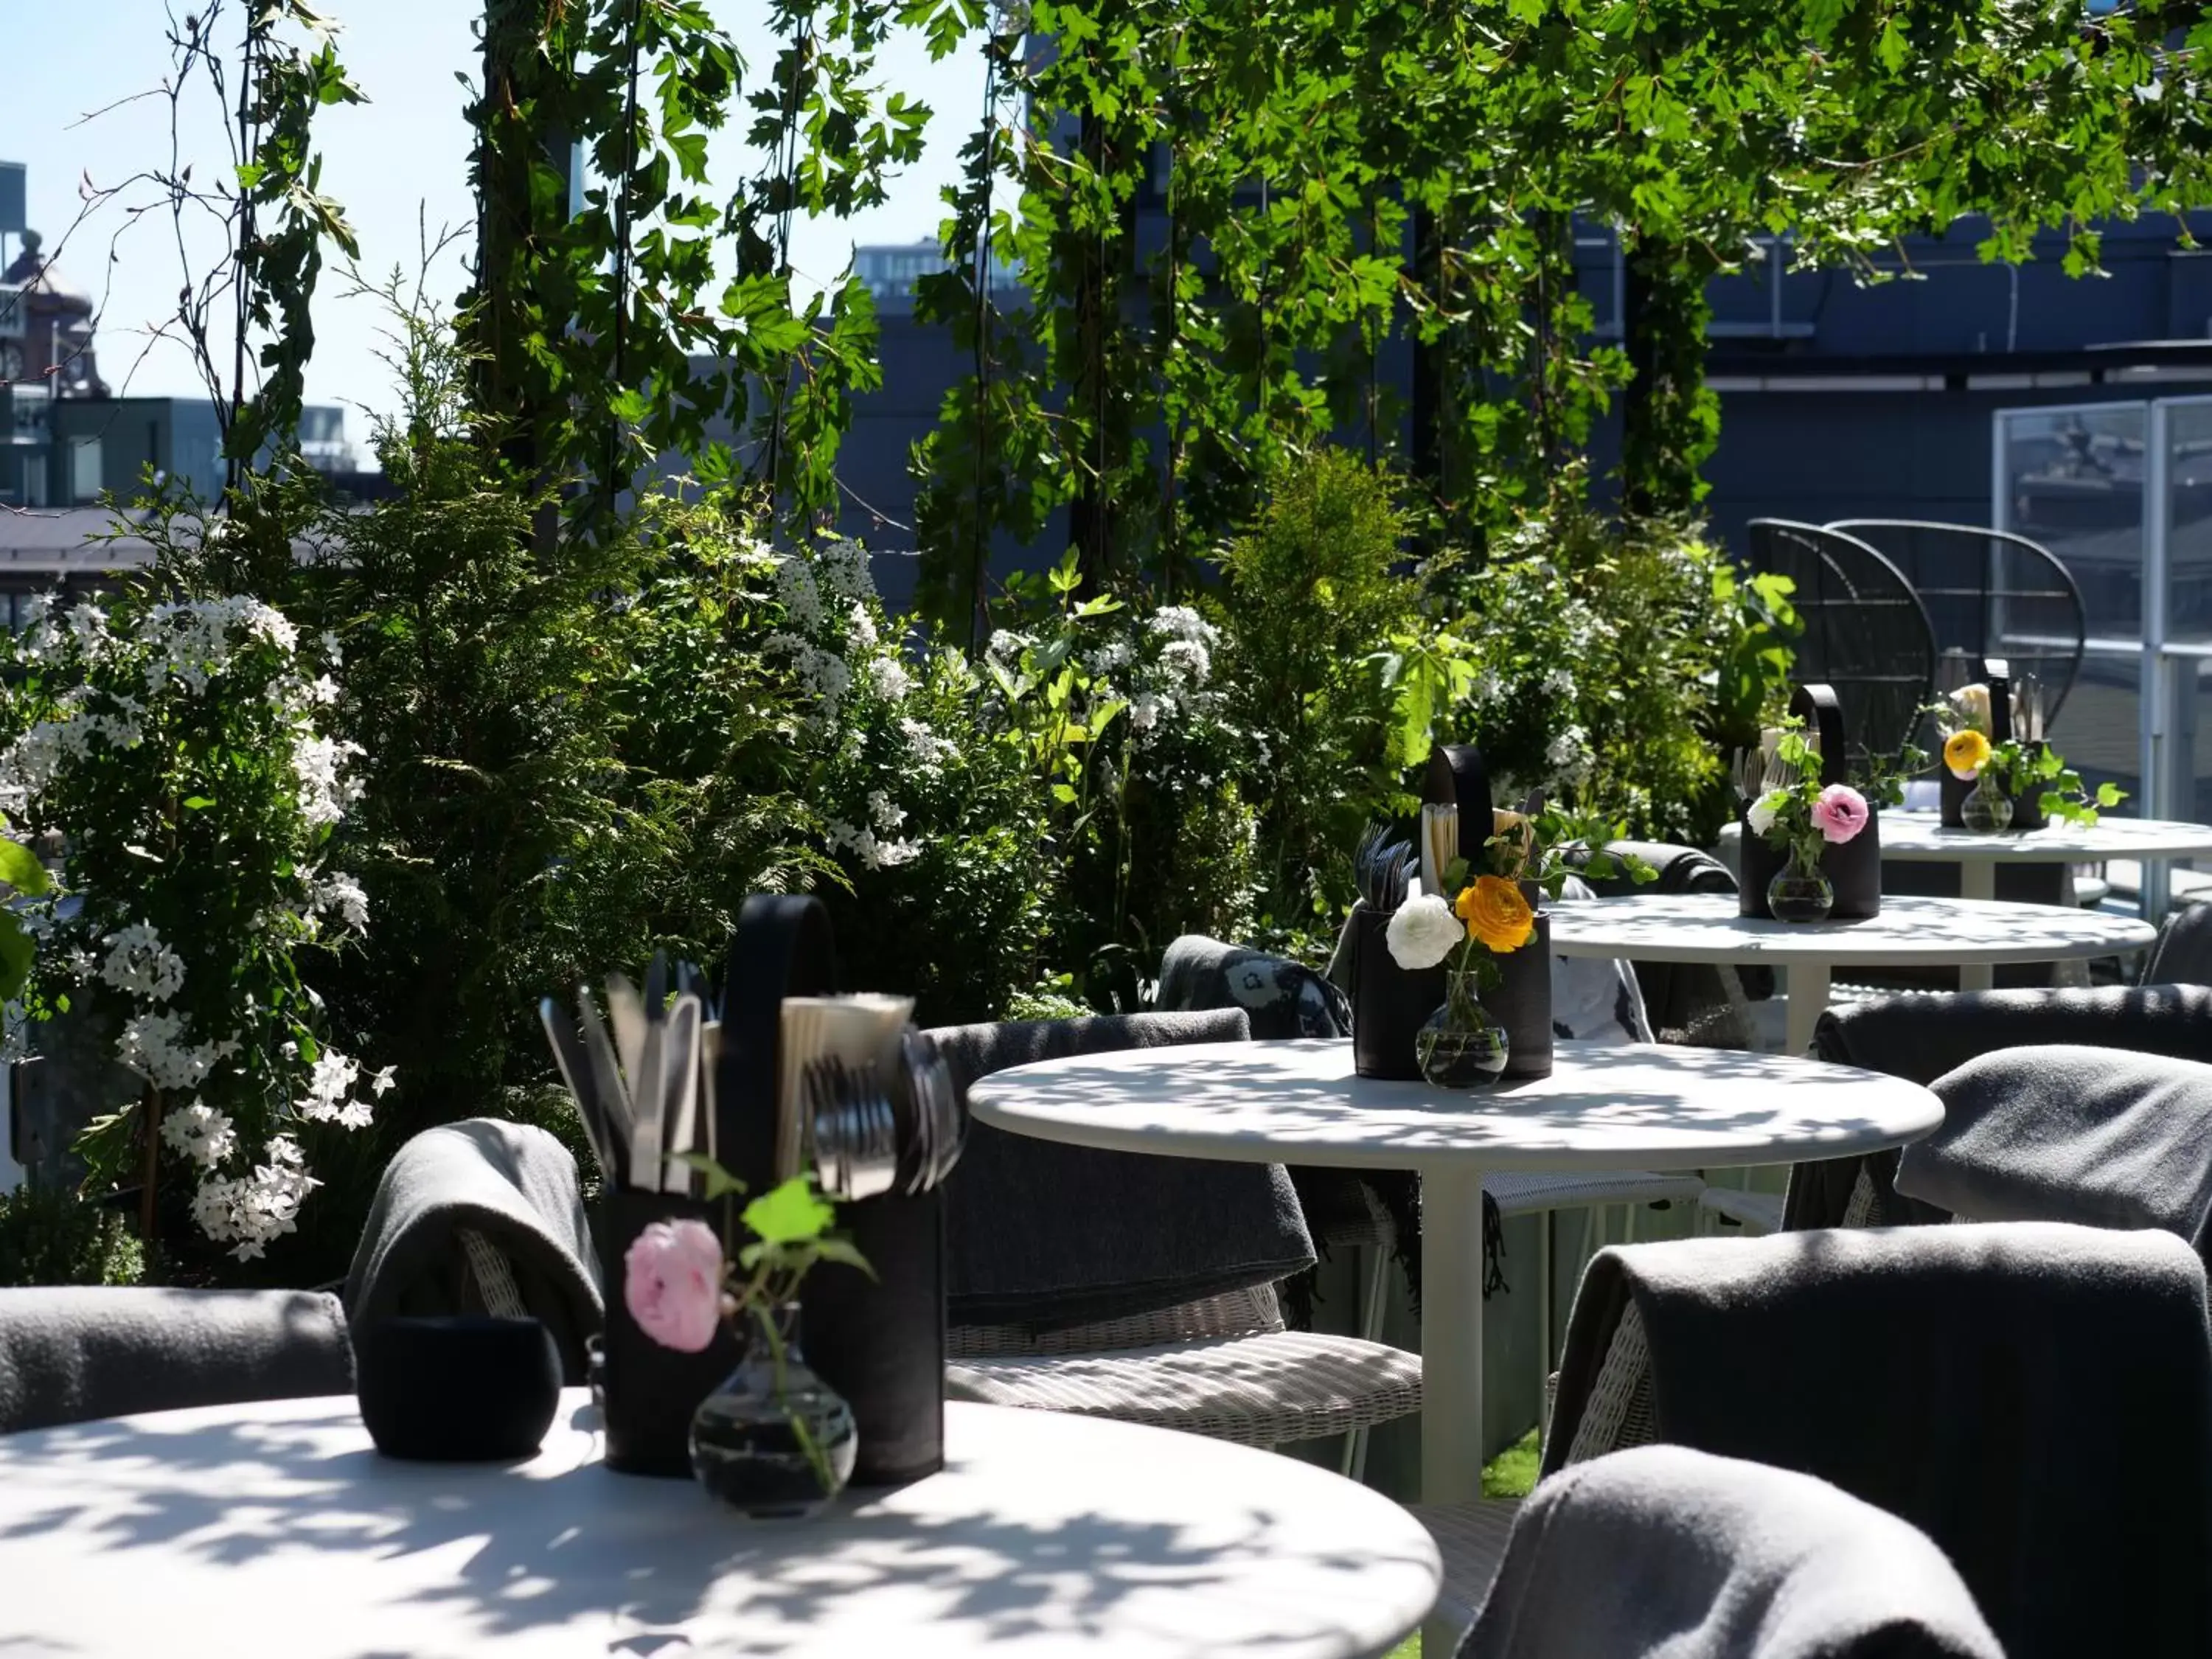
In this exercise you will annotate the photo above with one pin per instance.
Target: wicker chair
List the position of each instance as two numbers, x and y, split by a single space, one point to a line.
1866 633
1220 1363
1225 1367
1989 593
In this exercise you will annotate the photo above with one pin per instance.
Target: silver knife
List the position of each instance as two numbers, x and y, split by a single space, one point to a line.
680 1072
607 1083
626 1013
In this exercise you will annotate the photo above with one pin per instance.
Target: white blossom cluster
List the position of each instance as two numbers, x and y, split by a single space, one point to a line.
133 670
868 843
925 748
331 1079
201 1133
248 1211
139 965
1187 656
158 1046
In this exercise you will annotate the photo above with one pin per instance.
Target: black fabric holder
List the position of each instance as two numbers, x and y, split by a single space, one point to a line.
650 1391
1854 868
879 1342
1389 1003
1521 1001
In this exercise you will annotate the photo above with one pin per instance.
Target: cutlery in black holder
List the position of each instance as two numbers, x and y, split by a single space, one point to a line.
879 1342
1853 868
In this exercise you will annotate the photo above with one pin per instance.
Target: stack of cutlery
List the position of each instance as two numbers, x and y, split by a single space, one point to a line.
642 1074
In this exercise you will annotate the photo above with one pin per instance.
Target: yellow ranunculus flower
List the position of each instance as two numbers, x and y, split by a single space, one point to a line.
1966 753
1496 914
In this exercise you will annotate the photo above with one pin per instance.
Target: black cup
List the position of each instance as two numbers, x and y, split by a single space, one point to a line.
461 1387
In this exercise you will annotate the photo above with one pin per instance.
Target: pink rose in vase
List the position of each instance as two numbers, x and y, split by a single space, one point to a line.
1840 813
673 1284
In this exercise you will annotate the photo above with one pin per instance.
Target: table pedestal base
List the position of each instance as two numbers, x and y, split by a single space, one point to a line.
1451 1349
1451 1334
1808 985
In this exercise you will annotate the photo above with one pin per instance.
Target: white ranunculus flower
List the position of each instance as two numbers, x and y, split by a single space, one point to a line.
1422 932
1761 813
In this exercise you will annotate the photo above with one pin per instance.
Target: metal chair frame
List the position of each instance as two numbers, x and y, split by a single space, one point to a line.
1989 639
1836 591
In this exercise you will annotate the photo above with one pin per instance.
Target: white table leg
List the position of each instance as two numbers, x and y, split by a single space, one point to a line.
1807 984
1451 1334
1978 879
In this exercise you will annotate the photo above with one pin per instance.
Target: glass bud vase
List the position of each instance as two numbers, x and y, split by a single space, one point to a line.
1799 892
1987 808
1461 1045
774 1441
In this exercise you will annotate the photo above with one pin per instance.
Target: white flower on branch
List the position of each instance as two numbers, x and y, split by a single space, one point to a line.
139 965
201 1133
155 1046
341 893
926 749
325 791
888 676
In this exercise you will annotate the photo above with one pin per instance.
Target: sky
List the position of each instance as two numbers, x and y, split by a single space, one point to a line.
397 163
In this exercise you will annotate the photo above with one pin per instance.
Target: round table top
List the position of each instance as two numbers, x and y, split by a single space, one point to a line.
275 1528
1920 838
1911 929
1605 1107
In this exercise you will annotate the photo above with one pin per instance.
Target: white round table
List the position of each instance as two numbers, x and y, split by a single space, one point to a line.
1920 838
274 1530
1970 934
1633 1106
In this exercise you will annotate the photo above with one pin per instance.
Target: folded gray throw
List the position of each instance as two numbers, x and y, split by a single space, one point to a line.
2035 1397
1281 1000
1666 1551
512 1183
1041 1234
69 1355
1924 1037
2071 1134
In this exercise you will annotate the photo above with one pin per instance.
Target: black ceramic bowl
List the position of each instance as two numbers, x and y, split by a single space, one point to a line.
461 1388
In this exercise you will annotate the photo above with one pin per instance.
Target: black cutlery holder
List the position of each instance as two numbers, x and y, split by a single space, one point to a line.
1521 1002
1389 1003
1853 868
650 1391
879 1342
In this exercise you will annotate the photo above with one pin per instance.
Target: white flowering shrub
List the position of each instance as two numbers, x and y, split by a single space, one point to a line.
945 872
1586 660
178 748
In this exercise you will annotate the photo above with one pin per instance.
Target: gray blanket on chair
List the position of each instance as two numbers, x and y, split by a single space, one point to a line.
515 1184
2035 1397
1667 1551
1282 1000
68 1355
2106 1138
1045 1235
1925 1037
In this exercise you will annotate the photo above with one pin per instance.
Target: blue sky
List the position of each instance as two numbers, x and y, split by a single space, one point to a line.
400 157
